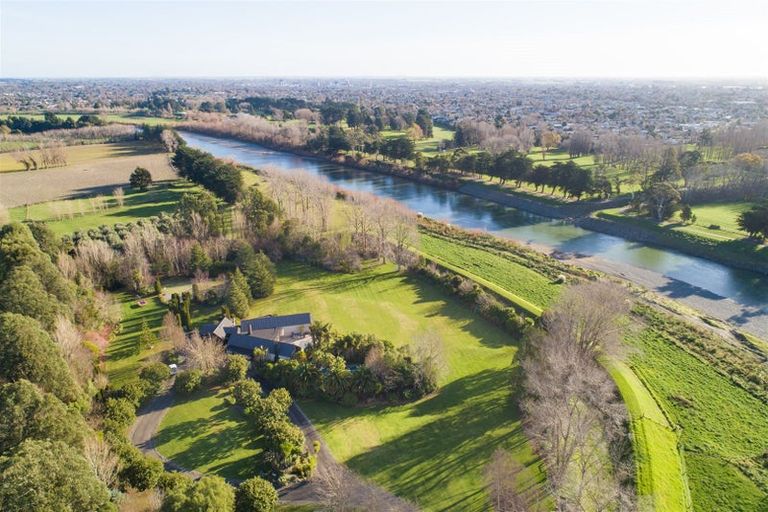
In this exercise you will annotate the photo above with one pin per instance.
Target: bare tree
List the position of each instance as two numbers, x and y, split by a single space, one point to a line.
341 490
104 462
204 354
588 315
173 332
169 141
119 195
502 477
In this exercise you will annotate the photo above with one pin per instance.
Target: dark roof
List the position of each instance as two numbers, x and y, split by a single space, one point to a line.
207 329
272 322
219 330
245 344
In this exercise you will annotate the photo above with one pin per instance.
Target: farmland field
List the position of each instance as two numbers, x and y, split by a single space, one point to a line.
161 197
431 451
98 169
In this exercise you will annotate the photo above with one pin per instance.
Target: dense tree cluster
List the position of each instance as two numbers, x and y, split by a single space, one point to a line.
755 221
222 178
352 368
573 413
50 121
284 442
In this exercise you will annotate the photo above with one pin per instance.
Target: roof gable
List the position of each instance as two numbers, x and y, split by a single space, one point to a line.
274 322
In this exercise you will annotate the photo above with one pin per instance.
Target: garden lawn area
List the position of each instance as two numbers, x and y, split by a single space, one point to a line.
722 425
427 146
431 451
122 361
206 433
162 197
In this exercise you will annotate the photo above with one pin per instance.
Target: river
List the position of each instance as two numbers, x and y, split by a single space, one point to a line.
737 296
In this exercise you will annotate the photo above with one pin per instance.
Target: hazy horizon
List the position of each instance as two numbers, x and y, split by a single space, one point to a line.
566 40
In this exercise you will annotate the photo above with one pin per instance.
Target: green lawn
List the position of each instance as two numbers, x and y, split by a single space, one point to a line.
431 451
427 146
206 433
122 362
658 461
728 240
163 197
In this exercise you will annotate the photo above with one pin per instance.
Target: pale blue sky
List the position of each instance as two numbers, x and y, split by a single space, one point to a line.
619 38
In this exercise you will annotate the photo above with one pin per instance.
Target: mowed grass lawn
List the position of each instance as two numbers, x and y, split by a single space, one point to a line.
659 464
432 451
161 197
205 432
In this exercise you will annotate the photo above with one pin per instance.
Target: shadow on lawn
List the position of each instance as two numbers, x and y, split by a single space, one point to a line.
212 439
471 421
454 308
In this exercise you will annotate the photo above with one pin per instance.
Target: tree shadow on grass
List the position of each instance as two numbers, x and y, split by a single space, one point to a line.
454 308
472 417
214 443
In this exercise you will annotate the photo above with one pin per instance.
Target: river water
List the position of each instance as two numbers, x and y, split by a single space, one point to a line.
738 296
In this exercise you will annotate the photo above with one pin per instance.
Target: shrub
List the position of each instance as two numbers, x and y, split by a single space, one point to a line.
246 393
135 391
140 471
173 481
235 369
188 382
255 495
119 413
155 374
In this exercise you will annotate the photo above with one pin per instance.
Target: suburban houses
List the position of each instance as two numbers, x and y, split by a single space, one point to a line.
281 336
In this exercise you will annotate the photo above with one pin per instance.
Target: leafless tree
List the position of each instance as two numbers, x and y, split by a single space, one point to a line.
169 141
119 195
204 354
429 351
502 477
104 462
173 332
588 315
341 490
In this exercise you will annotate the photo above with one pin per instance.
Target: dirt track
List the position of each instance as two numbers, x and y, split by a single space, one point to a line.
98 176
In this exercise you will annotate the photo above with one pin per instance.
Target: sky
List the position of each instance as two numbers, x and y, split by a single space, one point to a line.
566 38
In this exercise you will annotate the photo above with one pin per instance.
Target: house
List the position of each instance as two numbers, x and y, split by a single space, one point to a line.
281 336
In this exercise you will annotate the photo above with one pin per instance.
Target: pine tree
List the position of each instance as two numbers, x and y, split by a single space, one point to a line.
147 338
238 294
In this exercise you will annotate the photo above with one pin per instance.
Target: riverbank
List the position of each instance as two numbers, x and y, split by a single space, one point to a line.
585 214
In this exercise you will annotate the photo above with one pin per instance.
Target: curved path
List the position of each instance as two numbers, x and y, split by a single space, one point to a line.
150 416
